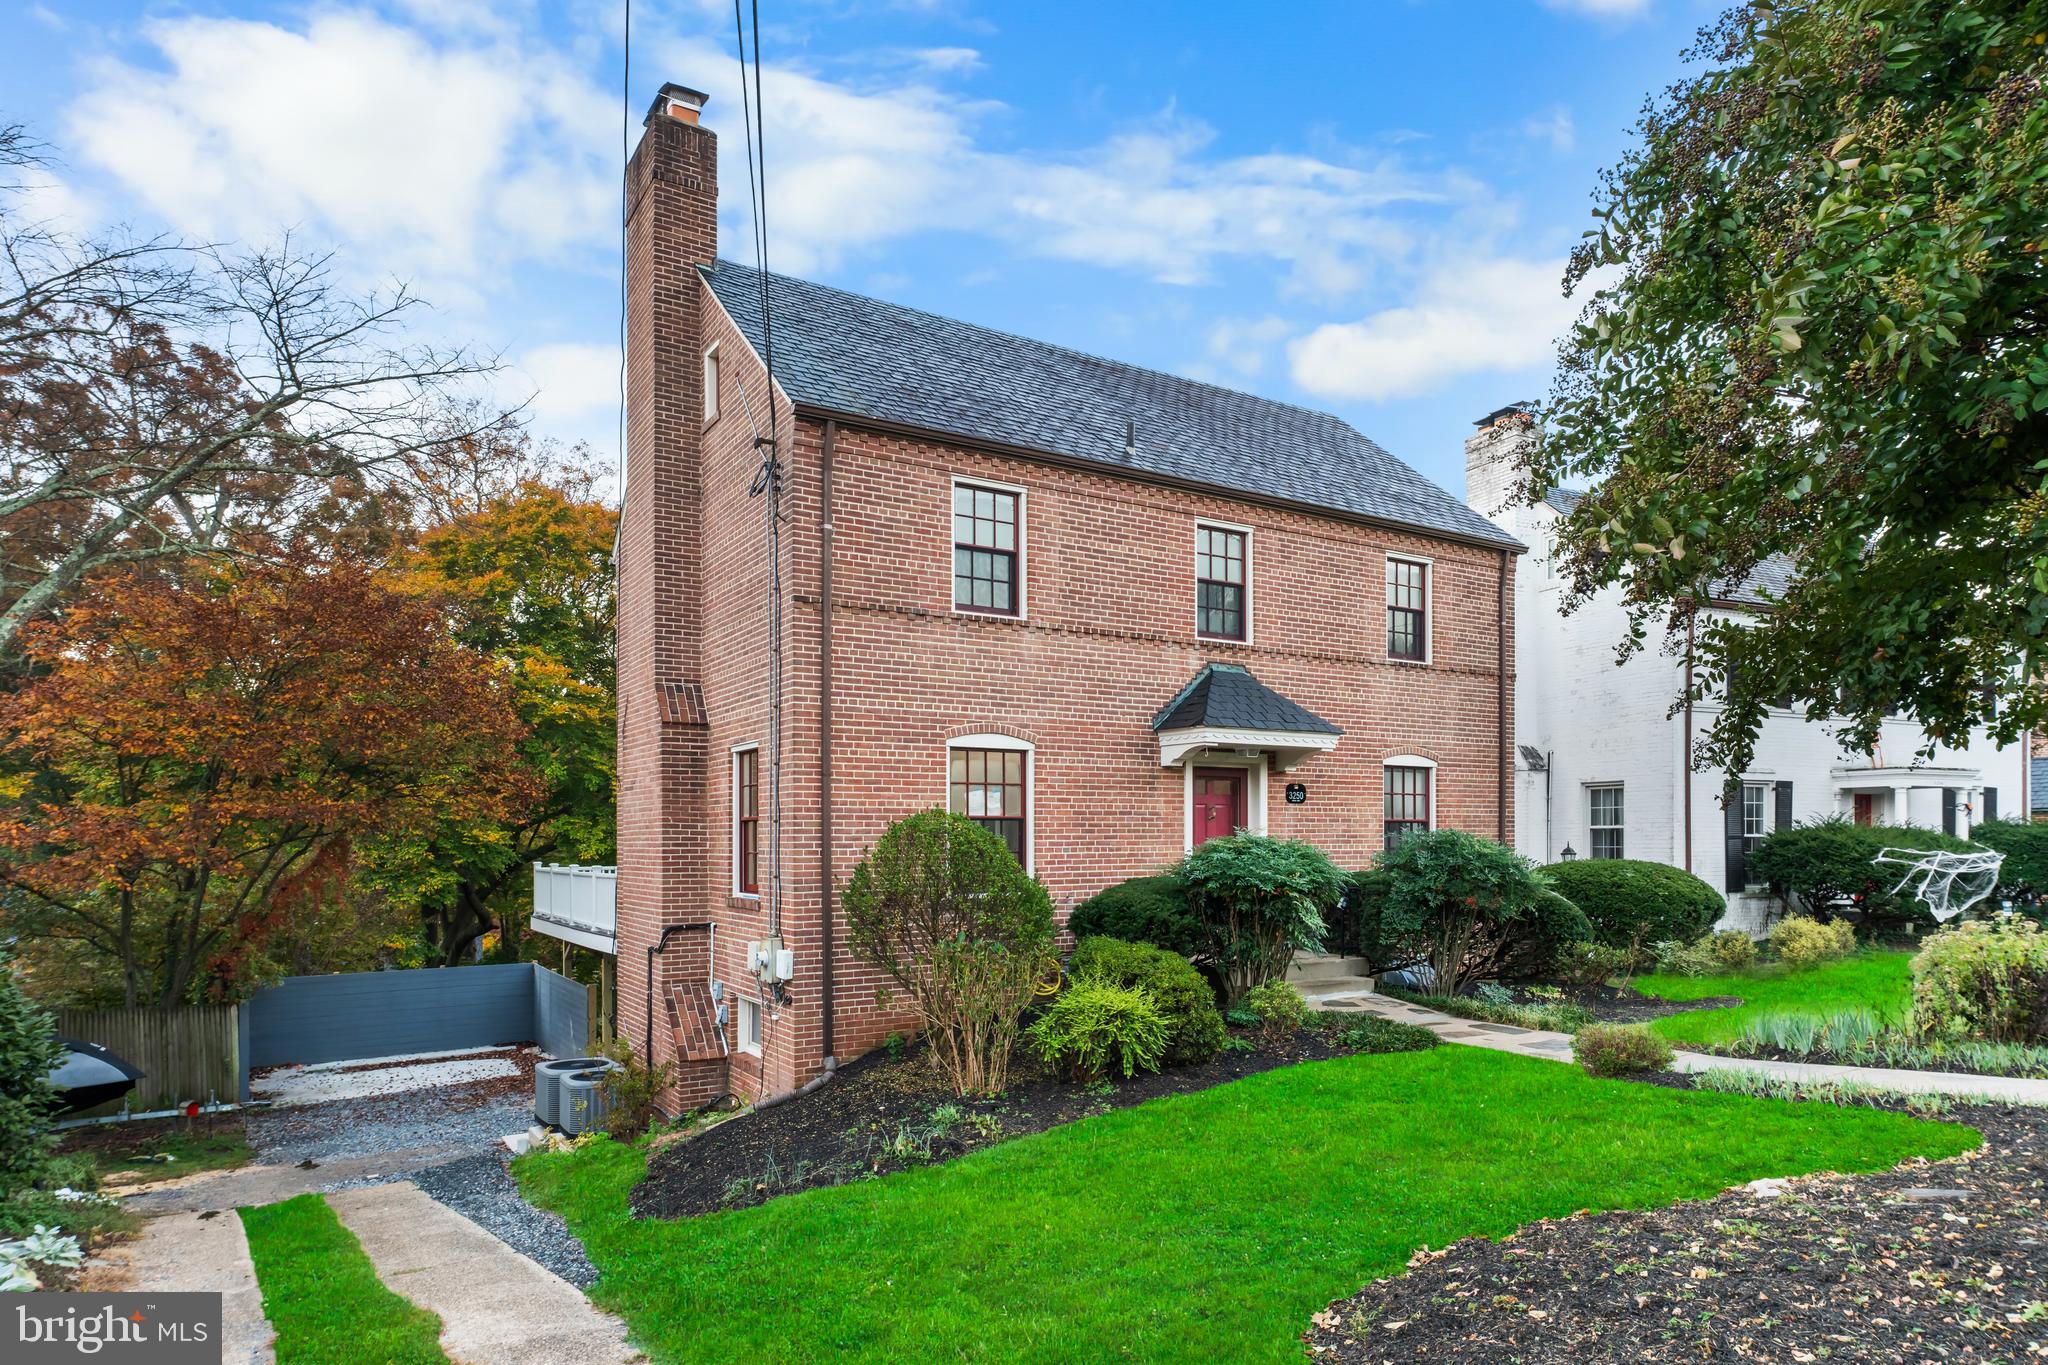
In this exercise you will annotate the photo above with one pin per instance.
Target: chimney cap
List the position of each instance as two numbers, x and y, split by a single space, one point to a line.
1499 415
672 95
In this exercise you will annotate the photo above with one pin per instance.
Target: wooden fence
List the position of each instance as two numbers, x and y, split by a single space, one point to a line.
187 1052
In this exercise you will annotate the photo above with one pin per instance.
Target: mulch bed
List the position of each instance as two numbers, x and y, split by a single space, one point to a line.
1624 1006
120 1139
1896 1266
875 1116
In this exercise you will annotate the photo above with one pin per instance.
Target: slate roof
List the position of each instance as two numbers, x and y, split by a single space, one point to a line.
866 358
1767 582
1228 697
2037 785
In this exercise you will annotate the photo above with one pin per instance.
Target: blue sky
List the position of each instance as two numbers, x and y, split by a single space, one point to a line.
1359 207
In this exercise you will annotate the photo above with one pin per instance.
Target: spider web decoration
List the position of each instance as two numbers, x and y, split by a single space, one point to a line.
1946 883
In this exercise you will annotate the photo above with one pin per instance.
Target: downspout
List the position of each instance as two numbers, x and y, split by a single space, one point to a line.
1501 701
654 950
826 890
1691 624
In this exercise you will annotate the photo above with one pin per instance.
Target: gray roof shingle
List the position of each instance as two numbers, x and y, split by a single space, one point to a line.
1767 583
865 358
1228 697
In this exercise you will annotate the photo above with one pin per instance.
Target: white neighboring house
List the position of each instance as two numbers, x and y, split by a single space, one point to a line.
1605 767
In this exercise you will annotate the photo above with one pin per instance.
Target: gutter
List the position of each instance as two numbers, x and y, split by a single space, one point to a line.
886 427
826 889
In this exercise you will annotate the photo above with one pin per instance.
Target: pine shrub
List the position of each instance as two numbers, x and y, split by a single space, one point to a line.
1194 1027
1096 1028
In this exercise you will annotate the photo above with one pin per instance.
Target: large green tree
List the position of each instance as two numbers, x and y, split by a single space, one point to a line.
1821 334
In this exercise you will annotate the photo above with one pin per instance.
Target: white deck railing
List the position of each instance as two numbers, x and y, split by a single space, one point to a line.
577 904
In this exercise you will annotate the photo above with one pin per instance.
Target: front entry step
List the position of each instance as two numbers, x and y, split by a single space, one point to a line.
1319 967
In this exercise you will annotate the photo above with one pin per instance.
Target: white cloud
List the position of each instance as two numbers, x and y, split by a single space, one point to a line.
961 61
1554 127
449 152
1468 316
571 382
1242 345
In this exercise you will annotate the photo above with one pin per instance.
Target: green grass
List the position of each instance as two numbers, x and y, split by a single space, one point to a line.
1880 982
1197 1227
122 1150
323 1296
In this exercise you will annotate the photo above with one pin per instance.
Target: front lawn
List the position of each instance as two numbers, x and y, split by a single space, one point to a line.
1878 982
322 1294
1201 1226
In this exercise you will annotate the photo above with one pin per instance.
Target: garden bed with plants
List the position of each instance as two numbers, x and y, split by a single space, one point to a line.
892 1110
1925 1261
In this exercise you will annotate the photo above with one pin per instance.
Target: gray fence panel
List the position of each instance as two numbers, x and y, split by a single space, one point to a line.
561 1014
385 1014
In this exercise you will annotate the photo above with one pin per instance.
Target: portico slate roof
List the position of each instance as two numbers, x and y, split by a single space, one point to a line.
861 357
1228 697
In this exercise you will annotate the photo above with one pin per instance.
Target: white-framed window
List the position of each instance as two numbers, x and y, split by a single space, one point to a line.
1605 821
1408 608
1756 806
1223 581
711 382
747 1025
992 780
988 548
746 820
1408 788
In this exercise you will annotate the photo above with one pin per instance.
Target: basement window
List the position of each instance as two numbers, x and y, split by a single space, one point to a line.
747 1024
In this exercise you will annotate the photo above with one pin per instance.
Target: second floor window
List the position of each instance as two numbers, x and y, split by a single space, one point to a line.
1407 809
1220 583
1604 821
985 574
746 820
711 384
987 786
1407 609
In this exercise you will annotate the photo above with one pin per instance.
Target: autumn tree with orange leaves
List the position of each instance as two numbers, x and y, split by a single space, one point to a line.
195 752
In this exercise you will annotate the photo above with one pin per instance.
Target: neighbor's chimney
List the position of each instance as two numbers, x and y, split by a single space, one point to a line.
676 102
1493 469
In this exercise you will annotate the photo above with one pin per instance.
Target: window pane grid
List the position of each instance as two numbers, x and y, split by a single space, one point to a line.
1219 582
987 786
984 549
1407 596
1604 821
746 801
1755 800
1407 803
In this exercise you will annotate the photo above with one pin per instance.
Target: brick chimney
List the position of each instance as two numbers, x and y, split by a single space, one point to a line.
1493 472
671 209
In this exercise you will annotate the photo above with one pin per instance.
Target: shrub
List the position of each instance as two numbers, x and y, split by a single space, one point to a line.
633 1091
1372 1034
1095 1028
1733 950
1620 1050
1473 909
1194 1029
28 1052
1627 901
1803 942
941 907
1590 966
1985 979
1560 1016
1259 900
1686 959
1150 910
1356 925
1833 860
2023 878
1278 1006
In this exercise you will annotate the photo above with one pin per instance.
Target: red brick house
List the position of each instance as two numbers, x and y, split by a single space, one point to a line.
1107 611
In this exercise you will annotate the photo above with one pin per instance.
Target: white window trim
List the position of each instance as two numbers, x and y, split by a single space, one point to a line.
1258 765
744 1006
1202 523
714 367
1428 613
1589 788
1408 761
1023 611
732 829
997 740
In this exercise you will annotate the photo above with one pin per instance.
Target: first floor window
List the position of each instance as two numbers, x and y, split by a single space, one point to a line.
1407 609
1407 808
987 786
746 819
985 550
1220 582
1604 821
1755 802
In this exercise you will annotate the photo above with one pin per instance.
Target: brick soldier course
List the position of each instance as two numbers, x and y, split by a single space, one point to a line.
1112 471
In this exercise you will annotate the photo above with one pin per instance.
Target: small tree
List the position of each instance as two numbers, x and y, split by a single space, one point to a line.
1466 901
28 1052
1259 900
941 906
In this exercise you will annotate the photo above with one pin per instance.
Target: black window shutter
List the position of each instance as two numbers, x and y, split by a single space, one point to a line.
1991 803
1784 805
1738 866
1948 810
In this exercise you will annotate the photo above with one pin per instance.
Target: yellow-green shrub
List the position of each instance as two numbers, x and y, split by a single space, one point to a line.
1733 949
1803 942
1984 979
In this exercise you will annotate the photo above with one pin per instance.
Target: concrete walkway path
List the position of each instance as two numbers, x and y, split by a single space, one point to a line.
496 1306
183 1252
1557 1047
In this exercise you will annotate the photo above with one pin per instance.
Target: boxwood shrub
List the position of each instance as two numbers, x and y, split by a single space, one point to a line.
1150 910
2023 879
1630 902
1194 1027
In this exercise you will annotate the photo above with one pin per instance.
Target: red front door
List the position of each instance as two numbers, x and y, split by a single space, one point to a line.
1866 808
1219 803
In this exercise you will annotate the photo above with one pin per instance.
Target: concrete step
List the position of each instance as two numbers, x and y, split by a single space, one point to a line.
1324 967
1333 987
